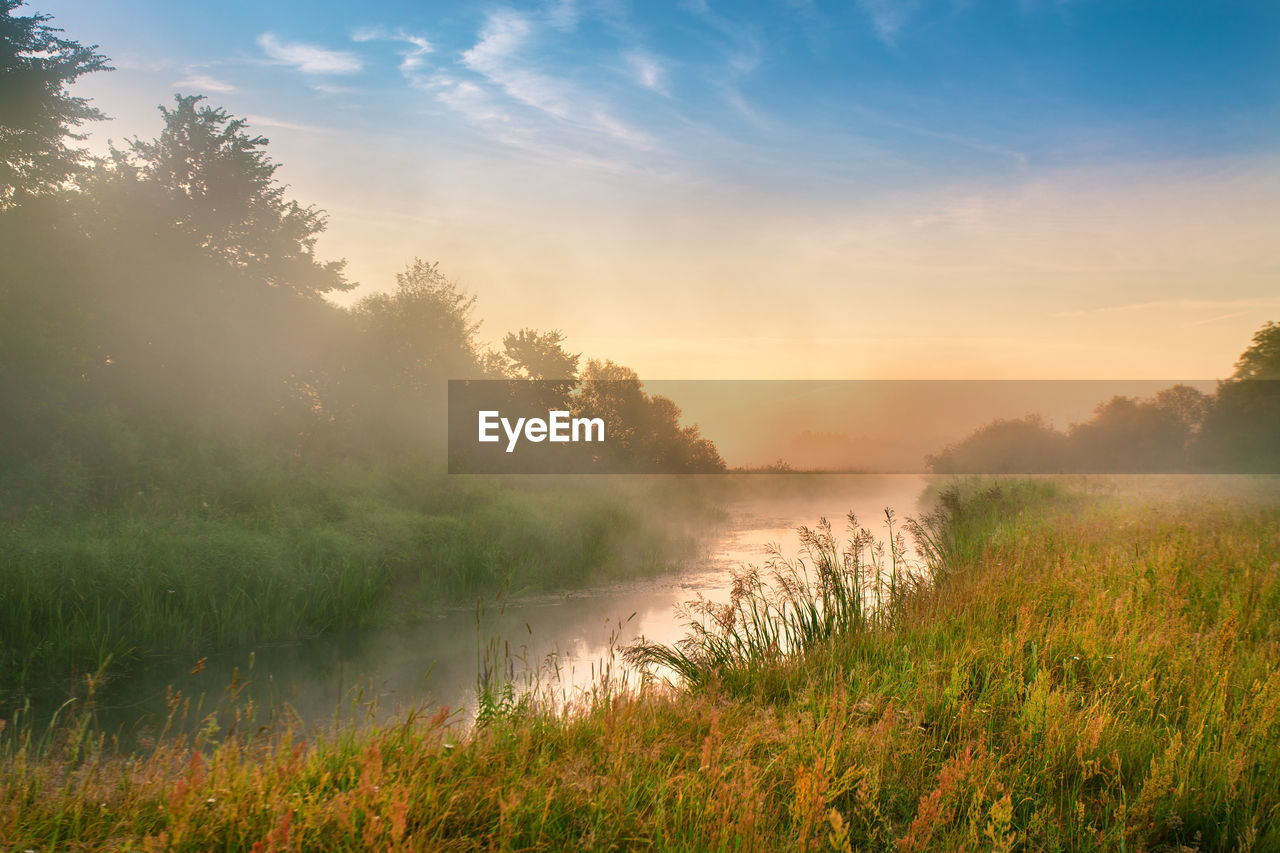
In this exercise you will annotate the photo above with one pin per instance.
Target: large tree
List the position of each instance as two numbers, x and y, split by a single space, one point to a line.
209 177
37 115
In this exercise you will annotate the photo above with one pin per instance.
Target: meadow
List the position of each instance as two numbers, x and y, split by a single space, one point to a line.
1079 670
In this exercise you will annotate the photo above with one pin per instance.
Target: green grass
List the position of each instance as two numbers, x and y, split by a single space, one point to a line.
1080 672
282 554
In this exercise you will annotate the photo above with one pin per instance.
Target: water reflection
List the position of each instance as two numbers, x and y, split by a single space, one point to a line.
560 641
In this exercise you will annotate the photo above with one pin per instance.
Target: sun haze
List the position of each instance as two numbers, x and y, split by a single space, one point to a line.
773 189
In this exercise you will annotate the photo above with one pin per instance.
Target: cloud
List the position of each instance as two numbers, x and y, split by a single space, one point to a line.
256 121
201 83
307 58
888 16
126 61
496 57
564 14
503 34
647 71
1180 305
412 58
471 100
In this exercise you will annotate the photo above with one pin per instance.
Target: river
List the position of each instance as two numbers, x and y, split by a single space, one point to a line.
558 642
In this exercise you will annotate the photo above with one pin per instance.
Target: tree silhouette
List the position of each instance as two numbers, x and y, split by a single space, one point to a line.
1131 435
540 355
1022 445
212 180
423 332
37 116
644 430
1262 359
1242 430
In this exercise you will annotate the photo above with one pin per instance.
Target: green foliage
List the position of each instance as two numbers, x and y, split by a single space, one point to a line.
1005 447
259 548
423 332
213 182
793 608
645 429
1088 673
1180 429
37 115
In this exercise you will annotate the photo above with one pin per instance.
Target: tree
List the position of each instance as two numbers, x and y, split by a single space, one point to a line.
1262 359
1185 404
644 430
423 330
213 180
37 115
1131 435
540 355
1027 445
1242 430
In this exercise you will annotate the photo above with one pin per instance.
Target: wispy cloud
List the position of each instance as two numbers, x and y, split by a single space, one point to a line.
647 71
743 51
888 16
309 59
469 99
497 57
1180 305
1232 316
130 61
413 57
564 14
201 83
255 120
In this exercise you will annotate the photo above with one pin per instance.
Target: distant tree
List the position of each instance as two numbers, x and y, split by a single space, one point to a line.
1131 435
1027 445
423 331
1242 430
211 179
1262 359
1185 404
37 115
644 431
540 355
613 392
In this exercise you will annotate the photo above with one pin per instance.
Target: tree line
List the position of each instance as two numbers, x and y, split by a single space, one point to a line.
170 293
1236 429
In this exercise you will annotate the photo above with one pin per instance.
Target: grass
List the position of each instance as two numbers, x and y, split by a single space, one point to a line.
280 553
1081 672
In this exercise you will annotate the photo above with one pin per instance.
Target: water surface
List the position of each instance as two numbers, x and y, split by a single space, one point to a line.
558 641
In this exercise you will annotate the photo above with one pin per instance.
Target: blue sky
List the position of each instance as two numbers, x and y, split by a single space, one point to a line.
848 150
915 86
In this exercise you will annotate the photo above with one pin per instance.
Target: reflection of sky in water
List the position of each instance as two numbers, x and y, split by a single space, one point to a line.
436 660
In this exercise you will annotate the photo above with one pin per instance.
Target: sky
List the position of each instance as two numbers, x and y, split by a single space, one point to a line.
787 189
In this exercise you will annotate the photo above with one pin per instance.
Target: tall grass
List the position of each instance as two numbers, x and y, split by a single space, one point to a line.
791 606
1088 673
833 590
285 555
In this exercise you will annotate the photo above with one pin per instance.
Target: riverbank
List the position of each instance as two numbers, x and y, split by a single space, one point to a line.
269 551
1088 672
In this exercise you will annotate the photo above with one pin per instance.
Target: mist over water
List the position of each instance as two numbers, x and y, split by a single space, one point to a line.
559 642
